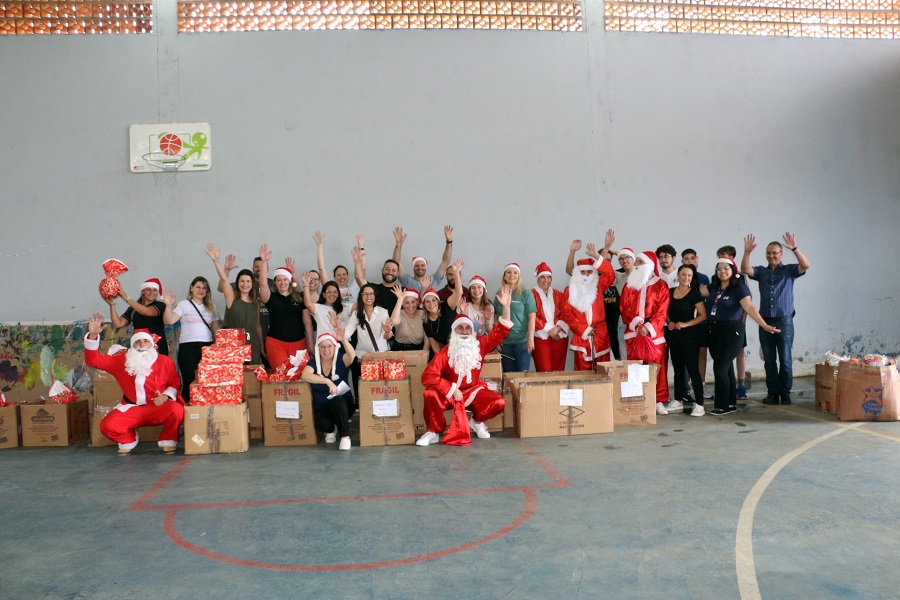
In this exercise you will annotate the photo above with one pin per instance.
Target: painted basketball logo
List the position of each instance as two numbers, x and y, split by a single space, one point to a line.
170 147
170 144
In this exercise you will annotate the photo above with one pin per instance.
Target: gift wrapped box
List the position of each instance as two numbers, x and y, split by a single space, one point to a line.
393 369
202 395
3 402
370 370
261 374
231 337
62 394
225 355
279 374
232 374
113 267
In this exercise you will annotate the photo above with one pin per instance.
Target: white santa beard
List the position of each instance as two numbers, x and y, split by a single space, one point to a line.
140 363
583 291
465 355
639 276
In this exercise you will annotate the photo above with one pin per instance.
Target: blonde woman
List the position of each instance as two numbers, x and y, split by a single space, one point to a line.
519 344
199 323
478 308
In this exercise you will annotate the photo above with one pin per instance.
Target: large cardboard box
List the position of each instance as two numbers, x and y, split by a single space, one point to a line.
634 391
252 396
385 413
251 383
491 368
216 429
106 390
416 361
560 404
826 388
867 393
51 424
98 440
288 414
9 426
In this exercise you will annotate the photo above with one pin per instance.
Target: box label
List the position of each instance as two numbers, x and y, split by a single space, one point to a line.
571 398
386 408
285 409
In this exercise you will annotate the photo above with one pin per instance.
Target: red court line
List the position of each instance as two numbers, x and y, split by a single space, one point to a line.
142 501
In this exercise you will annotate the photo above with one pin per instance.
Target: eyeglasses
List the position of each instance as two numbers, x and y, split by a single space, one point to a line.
773 253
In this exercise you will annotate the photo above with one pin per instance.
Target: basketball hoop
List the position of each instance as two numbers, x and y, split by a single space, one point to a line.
164 162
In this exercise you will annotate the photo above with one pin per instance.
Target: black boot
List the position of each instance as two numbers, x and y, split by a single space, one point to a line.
785 398
772 399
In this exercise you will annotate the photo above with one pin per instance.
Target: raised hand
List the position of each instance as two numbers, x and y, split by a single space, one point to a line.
463 306
504 296
458 265
304 278
212 252
592 250
575 246
749 243
397 290
426 282
448 233
169 298
610 238
319 237
361 241
357 254
289 263
95 324
399 236
789 240
265 253
230 262
335 323
387 326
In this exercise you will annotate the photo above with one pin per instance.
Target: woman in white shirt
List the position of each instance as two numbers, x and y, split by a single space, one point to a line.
322 309
199 322
373 326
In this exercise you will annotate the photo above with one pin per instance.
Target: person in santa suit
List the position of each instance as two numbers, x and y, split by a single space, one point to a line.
644 305
551 334
453 375
584 311
149 383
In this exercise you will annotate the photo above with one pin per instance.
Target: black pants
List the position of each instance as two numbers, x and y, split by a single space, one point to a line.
189 354
334 413
684 348
725 341
401 347
613 328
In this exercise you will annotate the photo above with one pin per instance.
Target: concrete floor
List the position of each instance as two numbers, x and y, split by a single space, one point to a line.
770 502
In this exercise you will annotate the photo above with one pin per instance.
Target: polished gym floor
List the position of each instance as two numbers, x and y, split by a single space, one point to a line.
770 502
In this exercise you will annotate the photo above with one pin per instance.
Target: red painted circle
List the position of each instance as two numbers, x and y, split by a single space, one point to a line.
170 144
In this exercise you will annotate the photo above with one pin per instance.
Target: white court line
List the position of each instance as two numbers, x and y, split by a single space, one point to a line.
748 585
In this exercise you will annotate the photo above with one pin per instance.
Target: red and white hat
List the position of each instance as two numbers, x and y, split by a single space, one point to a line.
649 257
584 264
287 273
462 319
730 262
326 337
542 269
478 280
411 293
512 265
416 259
626 252
152 284
430 292
144 334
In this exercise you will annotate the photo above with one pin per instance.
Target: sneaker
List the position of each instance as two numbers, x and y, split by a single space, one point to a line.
723 411
698 411
741 392
706 393
345 443
331 436
661 409
479 428
428 438
674 405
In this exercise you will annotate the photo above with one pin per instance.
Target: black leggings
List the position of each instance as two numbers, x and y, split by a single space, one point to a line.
189 354
725 341
334 413
684 348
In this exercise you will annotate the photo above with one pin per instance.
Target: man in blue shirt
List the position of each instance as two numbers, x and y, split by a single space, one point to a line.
776 306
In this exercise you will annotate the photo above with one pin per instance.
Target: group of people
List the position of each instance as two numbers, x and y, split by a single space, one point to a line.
664 312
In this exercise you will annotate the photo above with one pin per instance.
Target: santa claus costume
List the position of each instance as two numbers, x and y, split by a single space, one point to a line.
549 352
142 375
458 367
584 311
644 306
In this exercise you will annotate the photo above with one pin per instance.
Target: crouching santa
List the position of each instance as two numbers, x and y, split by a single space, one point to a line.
452 379
644 305
149 383
585 313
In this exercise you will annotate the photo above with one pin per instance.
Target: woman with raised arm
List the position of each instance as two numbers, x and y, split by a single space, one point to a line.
199 323
145 312
286 332
408 331
516 349
478 308
321 310
241 303
437 318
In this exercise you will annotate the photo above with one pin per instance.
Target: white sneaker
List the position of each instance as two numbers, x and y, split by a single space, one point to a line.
661 409
479 428
428 438
331 436
345 443
698 411
706 393
674 405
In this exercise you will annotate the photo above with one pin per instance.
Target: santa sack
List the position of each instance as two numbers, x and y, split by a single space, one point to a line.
867 393
643 348
458 433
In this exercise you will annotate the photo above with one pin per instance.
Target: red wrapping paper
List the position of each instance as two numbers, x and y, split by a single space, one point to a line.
279 374
231 337
261 374
113 267
458 433
110 288
370 370
393 369
224 355
232 374
3 402
216 394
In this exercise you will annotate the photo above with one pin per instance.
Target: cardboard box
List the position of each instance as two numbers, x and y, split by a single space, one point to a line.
558 404
251 383
98 440
867 393
497 423
385 413
106 390
216 429
9 426
631 406
826 388
416 361
491 368
509 413
254 410
51 424
287 398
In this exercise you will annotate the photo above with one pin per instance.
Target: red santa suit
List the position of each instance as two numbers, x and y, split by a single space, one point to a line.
588 324
549 353
137 408
647 307
441 381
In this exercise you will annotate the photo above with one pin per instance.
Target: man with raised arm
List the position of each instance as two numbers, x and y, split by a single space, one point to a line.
420 265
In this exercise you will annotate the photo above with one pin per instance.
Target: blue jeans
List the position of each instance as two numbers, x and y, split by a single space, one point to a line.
780 375
514 357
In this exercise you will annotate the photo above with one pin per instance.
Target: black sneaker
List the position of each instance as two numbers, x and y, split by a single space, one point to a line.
723 411
772 399
785 398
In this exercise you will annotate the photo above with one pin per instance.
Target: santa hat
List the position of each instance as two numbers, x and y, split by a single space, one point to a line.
143 334
287 273
322 338
649 258
542 269
626 252
462 319
416 259
152 284
584 264
478 280
411 293
730 262
512 265
430 292
326 337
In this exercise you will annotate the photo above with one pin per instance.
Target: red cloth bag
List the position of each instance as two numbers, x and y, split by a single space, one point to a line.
458 434
645 349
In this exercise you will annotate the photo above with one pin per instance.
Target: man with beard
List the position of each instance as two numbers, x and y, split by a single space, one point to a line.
384 292
453 375
584 311
644 305
149 383
419 279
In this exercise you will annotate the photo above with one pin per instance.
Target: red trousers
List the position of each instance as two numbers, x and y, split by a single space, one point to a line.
119 425
278 352
549 355
662 377
486 405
